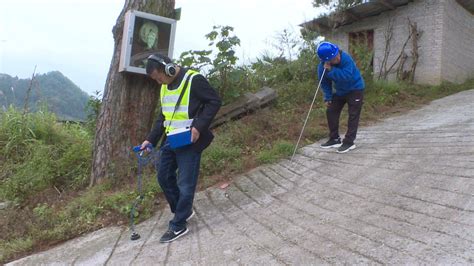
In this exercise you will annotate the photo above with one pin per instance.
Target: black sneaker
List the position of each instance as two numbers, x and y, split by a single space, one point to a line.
332 143
171 235
346 147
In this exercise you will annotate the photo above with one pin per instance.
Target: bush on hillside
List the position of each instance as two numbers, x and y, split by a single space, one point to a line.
38 152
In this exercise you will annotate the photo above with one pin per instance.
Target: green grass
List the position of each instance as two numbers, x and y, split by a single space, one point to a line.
279 150
40 153
15 246
221 158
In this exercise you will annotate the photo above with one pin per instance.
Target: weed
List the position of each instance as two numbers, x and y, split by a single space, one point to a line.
279 150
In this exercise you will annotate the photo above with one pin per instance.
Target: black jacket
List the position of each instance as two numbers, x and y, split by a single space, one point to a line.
204 102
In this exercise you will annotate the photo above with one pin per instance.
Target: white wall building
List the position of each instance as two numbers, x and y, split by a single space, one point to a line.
446 45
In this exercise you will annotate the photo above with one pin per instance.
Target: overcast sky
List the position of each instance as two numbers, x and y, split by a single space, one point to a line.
74 36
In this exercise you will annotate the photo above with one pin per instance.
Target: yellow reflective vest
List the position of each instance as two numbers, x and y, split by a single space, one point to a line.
169 98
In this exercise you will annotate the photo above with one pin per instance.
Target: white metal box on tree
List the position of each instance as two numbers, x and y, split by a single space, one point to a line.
145 34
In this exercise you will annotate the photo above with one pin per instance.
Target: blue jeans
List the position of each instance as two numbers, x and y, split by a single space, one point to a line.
179 186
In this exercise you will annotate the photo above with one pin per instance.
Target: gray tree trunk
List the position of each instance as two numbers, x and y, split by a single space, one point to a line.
128 105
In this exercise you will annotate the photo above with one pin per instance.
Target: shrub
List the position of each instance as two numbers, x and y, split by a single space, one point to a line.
40 153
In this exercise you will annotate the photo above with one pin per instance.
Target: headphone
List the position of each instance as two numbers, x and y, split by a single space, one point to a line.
170 68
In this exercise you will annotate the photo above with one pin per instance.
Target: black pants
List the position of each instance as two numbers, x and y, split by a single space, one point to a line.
354 100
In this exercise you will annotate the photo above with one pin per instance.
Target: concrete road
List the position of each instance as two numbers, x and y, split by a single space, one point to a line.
404 196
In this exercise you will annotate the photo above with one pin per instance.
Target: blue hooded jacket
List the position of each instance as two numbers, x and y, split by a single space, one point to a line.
345 75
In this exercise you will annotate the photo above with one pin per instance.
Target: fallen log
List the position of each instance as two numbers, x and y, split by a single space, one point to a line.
247 103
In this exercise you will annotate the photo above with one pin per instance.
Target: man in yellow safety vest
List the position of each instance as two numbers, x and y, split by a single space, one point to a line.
188 104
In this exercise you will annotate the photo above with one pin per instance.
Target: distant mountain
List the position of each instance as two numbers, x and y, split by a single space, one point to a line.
53 89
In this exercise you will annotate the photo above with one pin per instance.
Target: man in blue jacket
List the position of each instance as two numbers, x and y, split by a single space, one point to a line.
341 71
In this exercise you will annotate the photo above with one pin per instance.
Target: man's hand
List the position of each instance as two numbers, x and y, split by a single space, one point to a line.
327 66
328 103
194 135
144 144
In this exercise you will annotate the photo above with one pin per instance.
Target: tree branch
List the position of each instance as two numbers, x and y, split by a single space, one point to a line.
388 34
401 53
